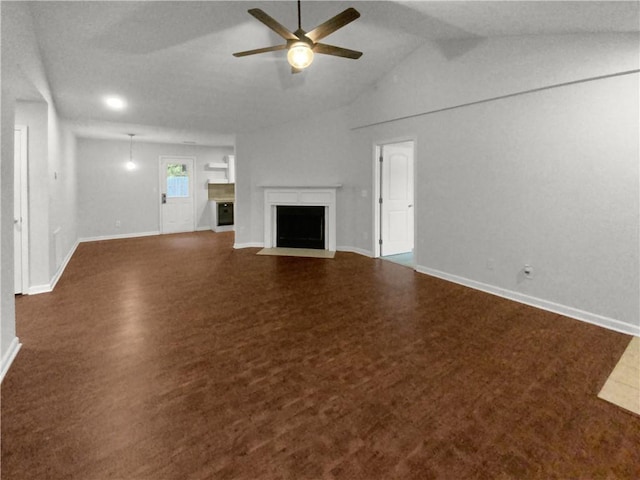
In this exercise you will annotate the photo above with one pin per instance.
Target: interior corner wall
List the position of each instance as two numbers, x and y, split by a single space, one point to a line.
114 201
7 302
63 188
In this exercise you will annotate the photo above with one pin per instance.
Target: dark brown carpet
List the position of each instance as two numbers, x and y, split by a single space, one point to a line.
176 357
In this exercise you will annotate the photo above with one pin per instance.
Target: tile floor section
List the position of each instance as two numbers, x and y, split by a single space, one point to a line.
405 259
623 385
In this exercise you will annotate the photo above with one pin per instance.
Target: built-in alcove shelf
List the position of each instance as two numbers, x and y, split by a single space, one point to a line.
215 166
311 195
222 172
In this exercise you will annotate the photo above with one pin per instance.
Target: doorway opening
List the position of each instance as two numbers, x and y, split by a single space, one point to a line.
20 210
394 202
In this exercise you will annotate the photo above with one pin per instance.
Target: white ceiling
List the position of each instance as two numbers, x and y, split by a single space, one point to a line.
172 61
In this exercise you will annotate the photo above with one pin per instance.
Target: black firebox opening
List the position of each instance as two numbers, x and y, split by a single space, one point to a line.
300 226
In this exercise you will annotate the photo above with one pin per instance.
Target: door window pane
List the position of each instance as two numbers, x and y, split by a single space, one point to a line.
177 180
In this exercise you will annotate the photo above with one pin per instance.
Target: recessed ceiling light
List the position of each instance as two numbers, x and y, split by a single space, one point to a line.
115 103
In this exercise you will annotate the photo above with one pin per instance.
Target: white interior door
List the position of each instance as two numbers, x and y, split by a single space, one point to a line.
396 188
20 221
177 192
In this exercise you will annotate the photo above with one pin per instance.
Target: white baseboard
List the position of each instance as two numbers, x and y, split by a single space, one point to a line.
359 251
571 312
9 356
64 264
248 245
48 287
203 229
37 289
120 236
224 228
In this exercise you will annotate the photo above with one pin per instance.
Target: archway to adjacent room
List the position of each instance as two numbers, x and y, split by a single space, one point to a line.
394 201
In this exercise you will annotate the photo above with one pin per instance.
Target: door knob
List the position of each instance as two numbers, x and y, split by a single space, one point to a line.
164 198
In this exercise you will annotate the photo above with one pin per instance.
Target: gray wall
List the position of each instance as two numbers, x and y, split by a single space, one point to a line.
108 192
316 152
7 302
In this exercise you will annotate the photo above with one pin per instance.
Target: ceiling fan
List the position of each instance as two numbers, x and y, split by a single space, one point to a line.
302 45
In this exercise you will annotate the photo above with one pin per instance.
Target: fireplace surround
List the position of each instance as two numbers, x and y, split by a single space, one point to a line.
318 196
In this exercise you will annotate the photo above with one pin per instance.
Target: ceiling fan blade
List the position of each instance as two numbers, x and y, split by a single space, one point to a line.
296 70
272 24
275 48
333 24
336 51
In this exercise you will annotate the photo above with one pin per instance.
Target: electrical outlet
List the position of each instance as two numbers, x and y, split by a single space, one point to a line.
117 223
528 271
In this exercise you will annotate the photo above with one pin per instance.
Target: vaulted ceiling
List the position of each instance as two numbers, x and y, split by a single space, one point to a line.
173 63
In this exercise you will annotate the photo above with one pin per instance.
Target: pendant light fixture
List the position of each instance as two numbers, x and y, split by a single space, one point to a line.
130 164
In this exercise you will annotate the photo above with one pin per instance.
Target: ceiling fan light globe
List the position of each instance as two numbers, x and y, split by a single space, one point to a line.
300 55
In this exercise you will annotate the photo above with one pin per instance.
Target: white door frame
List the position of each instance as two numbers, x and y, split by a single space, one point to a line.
192 187
377 210
23 148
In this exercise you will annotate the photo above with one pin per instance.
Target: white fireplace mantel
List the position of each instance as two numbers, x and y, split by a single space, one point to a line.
313 196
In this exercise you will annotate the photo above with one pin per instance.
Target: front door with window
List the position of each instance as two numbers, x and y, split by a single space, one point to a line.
176 187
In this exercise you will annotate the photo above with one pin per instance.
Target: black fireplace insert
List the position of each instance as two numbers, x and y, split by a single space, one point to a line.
300 226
